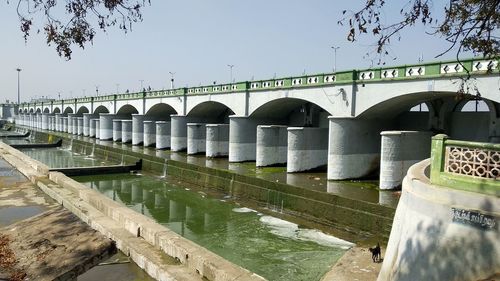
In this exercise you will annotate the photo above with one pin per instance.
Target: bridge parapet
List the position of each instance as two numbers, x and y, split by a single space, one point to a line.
470 166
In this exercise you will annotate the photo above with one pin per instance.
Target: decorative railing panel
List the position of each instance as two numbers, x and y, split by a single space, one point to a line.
470 166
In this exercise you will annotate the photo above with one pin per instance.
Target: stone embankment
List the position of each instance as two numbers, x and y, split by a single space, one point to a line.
163 254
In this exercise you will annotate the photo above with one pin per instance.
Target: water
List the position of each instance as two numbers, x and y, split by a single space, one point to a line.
271 247
64 158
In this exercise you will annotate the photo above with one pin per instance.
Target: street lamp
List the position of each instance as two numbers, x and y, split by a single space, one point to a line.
335 58
18 86
142 81
231 73
171 80
97 90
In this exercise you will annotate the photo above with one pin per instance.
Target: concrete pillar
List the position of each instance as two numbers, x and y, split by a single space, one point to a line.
307 148
178 131
45 121
137 129
217 140
196 138
400 150
117 130
64 124
354 148
39 120
162 134
271 145
70 122
75 125
243 137
86 123
79 126
149 133
52 123
93 128
58 122
127 131
106 126
98 128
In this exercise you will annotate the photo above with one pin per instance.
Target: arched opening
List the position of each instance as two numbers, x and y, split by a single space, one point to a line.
31 110
127 110
82 109
68 110
46 110
161 111
20 110
38 110
293 112
211 112
471 120
57 110
101 109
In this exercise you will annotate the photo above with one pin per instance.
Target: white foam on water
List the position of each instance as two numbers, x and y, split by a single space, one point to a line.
243 210
291 230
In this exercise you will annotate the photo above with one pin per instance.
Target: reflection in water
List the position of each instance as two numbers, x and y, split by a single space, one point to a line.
273 248
64 158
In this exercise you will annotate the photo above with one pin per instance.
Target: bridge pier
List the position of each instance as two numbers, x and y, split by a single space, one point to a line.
243 137
271 145
354 147
45 121
178 131
399 151
58 122
79 128
162 134
217 140
106 125
64 124
86 123
93 128
137 129
117 130
98 128
75 125
196 138
149 133
307 148
127 134
70 122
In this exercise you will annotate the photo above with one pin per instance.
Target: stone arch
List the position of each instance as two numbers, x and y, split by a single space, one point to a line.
127 110
31 110
46 110
82 109
101 109
56 110
161 111
216 111
68 110
38 110
293 112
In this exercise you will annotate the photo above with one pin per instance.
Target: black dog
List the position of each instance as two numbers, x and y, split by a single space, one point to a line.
376 253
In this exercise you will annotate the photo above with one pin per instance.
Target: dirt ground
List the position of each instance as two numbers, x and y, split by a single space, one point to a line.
355 265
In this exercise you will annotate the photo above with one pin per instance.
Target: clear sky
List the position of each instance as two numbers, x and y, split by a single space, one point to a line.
197 39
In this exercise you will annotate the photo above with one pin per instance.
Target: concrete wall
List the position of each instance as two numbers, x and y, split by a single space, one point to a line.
432 239
471 126
217 140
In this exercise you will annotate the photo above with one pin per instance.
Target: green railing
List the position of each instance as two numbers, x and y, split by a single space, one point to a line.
471 166
429 70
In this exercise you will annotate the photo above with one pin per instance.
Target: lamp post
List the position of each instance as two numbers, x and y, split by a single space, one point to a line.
97 90
335 58
231 73
171 80
18 85
142 81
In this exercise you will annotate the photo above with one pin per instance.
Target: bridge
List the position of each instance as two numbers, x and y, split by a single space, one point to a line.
351 122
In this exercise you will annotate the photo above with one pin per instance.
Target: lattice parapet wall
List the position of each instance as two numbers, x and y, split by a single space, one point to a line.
471 166
472 162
